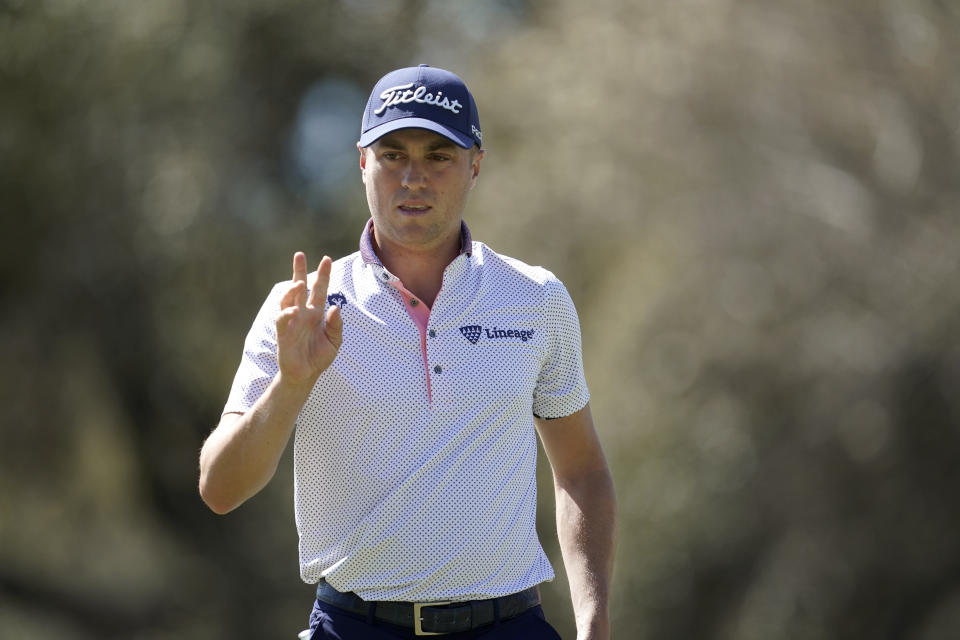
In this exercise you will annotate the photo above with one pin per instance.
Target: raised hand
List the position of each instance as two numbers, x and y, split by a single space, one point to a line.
307 339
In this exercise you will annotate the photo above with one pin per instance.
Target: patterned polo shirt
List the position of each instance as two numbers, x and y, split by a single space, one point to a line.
415 453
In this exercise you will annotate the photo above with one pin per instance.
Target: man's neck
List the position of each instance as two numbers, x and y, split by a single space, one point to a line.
420 271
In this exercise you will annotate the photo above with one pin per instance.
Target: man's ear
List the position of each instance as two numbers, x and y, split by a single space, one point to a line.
477 157
363 163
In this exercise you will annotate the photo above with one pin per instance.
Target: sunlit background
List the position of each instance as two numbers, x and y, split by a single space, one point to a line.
753 204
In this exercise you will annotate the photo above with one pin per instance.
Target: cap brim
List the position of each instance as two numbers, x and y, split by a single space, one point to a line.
371 136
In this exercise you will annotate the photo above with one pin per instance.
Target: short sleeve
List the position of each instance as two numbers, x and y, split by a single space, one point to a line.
258 365
561 387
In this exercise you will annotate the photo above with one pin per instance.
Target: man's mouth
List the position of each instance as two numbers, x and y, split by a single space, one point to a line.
413 208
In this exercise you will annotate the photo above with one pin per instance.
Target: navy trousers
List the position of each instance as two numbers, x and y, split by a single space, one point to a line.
330 623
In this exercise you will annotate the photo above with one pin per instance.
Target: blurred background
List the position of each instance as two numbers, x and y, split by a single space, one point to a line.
754 206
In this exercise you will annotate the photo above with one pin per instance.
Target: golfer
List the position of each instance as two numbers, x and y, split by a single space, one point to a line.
414 376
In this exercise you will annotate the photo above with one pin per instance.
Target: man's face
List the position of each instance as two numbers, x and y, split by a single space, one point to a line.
417 183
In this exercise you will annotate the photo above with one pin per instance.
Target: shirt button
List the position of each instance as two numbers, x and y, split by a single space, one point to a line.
385 275
432 333
438 369
413 302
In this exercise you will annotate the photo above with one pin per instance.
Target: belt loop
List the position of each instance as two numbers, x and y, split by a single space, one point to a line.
473 615
371 612
496 611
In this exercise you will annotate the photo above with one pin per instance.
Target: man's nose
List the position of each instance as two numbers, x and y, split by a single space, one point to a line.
414 175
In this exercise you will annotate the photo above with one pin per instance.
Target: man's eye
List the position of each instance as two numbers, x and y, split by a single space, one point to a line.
439 157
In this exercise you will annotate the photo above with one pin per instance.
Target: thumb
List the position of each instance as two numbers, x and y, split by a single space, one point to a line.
333 326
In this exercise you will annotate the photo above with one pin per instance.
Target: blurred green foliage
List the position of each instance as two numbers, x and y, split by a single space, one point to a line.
753 204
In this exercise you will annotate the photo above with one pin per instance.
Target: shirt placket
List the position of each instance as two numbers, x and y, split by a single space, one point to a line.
419 312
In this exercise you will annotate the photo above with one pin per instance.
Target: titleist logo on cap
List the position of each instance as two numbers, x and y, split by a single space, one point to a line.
423 97
403 95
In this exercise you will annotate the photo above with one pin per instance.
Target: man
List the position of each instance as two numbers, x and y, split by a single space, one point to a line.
415 373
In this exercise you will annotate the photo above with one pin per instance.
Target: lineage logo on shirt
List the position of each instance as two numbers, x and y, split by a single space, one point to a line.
474 332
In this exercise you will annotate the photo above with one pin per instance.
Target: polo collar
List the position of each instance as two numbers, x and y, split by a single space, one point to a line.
370 257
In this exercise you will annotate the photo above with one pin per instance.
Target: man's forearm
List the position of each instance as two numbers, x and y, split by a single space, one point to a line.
241 455
586 518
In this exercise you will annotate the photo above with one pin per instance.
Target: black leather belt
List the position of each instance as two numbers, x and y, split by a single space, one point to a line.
433 618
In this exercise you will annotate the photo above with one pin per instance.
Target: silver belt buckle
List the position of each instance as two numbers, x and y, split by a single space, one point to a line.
418 621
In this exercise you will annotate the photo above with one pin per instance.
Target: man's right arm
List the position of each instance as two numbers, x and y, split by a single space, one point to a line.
241 455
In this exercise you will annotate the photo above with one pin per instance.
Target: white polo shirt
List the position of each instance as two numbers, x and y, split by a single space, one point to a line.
415 454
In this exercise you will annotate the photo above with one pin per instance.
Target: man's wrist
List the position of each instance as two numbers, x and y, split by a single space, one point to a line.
294 389
594 627
600 632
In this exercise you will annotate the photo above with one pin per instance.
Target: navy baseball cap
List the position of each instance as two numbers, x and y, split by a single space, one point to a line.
422 97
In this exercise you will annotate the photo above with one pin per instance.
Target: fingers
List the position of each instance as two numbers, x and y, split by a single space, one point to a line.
284 320
318 294
289 298
333 326
296 294
299 266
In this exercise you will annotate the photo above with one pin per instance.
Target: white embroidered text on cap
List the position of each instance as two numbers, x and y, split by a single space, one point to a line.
402 95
